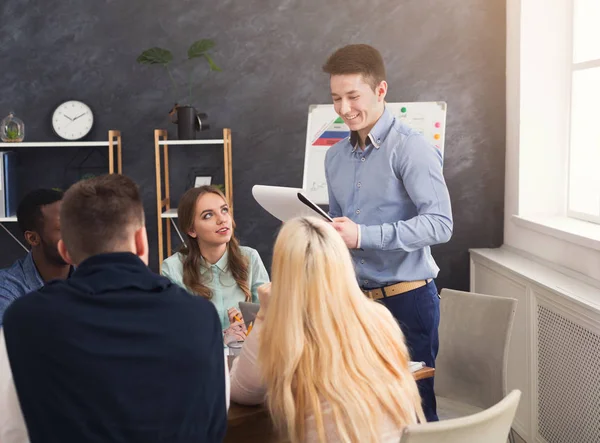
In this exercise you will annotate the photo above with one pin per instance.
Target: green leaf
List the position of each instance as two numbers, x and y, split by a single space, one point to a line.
199 48
213 66
155 56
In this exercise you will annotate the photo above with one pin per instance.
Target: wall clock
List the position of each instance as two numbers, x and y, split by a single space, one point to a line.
72 120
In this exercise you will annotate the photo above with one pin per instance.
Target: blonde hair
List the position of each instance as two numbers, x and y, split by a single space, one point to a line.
328 342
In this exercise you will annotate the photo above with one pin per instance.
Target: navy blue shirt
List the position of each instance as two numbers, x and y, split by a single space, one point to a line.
19 279
117 353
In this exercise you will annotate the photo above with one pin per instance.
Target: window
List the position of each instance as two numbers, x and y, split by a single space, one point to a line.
540 67
584 146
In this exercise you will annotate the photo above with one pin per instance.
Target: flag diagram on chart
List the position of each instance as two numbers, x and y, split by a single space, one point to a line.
331 133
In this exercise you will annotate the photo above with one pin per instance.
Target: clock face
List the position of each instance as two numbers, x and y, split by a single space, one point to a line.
72 120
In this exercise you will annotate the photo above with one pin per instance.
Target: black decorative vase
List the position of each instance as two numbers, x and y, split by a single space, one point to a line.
189 121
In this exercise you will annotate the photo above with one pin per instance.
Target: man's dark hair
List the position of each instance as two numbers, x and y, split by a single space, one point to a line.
357 59
29 212
99 214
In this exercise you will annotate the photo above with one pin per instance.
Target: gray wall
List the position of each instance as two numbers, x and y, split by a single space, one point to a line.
271 53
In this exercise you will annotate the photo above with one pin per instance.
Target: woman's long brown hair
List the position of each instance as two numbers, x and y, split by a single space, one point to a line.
192 263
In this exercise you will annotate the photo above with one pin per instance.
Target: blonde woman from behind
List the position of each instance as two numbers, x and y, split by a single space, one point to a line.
330 363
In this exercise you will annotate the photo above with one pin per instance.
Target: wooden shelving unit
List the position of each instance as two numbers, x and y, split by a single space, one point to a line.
163 204
114 160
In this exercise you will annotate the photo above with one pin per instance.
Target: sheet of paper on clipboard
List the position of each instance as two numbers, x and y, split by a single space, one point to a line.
286 203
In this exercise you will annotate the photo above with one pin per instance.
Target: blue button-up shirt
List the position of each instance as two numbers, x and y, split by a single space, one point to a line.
395 191
19 279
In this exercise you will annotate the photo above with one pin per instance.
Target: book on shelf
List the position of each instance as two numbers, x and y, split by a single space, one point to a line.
8 184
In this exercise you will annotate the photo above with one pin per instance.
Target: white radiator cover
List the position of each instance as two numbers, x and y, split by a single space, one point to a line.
554 355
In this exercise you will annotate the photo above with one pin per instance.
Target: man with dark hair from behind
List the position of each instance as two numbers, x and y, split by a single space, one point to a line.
38 215
116 353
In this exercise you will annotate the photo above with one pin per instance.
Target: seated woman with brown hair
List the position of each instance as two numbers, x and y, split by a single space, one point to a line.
331 364
212 264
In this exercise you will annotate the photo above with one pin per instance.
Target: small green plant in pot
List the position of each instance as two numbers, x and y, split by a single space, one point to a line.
188 119
12 129
12 134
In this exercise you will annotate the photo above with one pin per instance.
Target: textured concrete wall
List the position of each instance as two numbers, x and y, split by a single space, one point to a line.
271 53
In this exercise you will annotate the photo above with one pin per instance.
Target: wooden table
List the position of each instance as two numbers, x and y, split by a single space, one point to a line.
253 423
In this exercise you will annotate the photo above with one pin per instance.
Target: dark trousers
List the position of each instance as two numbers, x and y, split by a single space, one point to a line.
418 312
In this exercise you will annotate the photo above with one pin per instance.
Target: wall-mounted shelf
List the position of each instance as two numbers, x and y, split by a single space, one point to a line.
212 141
53 144
163 205
169 213
114 141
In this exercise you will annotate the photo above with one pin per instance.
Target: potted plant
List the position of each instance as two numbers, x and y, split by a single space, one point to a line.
188 119
12 129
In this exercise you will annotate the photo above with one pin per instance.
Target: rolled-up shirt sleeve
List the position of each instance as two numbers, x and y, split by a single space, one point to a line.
247 385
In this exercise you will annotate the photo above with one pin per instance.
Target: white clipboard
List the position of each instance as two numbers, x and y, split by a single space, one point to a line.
286 203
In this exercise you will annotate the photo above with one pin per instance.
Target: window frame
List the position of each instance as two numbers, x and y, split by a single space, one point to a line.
572 68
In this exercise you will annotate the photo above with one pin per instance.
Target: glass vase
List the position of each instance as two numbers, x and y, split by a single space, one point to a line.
12 129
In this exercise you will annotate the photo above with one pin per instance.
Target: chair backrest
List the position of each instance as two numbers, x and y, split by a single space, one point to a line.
489 426
474 337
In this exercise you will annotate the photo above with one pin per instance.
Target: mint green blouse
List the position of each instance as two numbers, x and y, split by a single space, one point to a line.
226 293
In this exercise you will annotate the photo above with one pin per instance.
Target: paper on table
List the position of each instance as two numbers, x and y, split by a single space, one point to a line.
283 203
414 366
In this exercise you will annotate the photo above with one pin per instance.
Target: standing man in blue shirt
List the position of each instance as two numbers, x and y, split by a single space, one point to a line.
389 201
38 216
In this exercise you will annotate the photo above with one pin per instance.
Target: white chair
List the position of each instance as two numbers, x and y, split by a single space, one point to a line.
489 426
471 365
